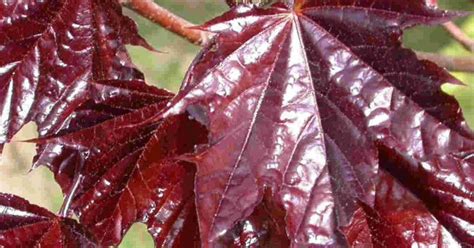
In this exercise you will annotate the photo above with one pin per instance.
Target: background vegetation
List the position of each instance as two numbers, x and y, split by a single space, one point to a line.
167 69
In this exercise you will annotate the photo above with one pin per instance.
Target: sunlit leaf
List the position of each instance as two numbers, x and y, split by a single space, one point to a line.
310 100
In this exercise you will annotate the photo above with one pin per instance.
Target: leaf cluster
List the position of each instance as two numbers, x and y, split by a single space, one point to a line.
301 124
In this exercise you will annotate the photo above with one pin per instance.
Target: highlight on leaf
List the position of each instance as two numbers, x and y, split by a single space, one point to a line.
51 55
305 123
309 103
126 168
26 225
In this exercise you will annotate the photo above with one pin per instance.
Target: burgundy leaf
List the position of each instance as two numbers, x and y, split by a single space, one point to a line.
23 224
397 217
264 228
115 162
123 166
310 102
53 52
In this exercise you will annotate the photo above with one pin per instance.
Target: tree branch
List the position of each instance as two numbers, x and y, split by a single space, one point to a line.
168 20
451 63
459 36
181 27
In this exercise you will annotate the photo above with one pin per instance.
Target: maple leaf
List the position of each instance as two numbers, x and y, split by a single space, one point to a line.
139 179
398 217
310 100
118 164
23 224
52 52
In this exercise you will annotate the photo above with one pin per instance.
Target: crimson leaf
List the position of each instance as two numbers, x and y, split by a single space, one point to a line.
398 217
312 101
72 49
23 224
51 54
56 57
123 167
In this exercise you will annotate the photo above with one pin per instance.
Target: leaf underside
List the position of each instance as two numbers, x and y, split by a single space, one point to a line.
304 124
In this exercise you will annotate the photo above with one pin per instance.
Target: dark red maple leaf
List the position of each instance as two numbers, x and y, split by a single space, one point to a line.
318 102
52 53
58 59
398 217
324 131
264 228
26 225
122 166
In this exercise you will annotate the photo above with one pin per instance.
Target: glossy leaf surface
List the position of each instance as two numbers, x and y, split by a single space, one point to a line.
124 167
23 224
66 68
398 217
318 103
52 53
323 130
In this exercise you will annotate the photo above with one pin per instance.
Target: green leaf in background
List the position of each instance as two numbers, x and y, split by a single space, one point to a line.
437 40
166 69
464 94
137 236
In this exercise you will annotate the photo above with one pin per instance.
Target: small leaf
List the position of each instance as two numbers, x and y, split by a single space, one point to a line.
23 224
120 164
51 55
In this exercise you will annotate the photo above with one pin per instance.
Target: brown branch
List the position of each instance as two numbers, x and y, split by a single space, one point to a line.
455 32
459 36
451 63
168 20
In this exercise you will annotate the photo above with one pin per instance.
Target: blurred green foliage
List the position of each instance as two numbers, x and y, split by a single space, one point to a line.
437 40
166 69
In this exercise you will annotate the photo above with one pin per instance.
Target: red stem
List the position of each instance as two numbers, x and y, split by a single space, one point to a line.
459 36
168 20
462 64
